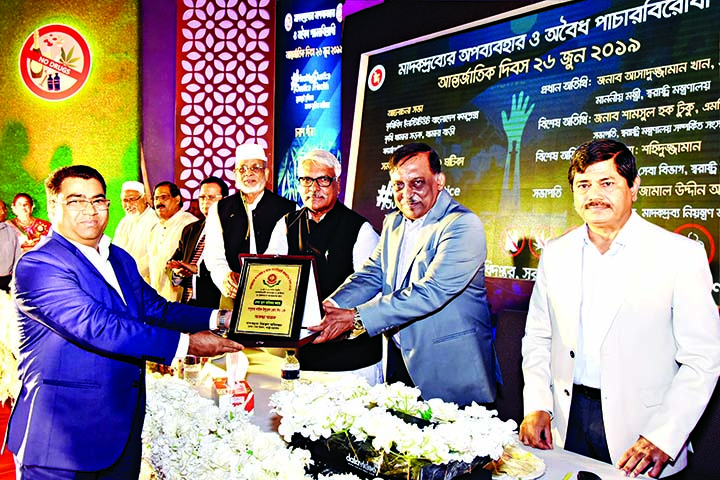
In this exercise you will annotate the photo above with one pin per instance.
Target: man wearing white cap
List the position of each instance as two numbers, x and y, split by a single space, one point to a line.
133 231
228 231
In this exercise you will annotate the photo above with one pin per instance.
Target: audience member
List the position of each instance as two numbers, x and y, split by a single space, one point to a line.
229 231
165 235
28 228
429 273
133 231
187 265
622 343
89 323
9 249
341 241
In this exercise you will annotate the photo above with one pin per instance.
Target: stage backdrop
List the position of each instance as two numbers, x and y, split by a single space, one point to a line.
307 85
69 84
504 102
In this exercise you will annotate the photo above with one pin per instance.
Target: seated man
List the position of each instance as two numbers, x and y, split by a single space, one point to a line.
340 240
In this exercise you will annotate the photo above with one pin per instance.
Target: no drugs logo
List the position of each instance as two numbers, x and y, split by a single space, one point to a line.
55 62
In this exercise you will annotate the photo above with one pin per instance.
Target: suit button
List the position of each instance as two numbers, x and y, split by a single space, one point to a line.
572 354
136 384
567 393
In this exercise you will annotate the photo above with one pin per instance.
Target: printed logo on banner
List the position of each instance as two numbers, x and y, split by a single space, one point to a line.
539 239
55 62
513 240
700 234
376 78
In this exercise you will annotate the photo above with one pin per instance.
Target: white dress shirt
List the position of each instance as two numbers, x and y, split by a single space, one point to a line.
214 254
598 271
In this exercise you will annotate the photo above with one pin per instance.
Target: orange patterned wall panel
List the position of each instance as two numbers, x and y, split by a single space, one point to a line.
225 86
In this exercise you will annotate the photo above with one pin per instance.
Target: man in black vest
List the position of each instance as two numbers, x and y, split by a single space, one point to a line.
187 266
340 240
228 232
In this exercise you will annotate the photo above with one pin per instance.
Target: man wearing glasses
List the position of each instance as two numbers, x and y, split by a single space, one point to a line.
340 240
423 288
88 324
242 222
133 231
187 266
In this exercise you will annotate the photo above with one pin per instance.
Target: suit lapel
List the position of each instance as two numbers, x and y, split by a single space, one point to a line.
428 228
392 251
124 283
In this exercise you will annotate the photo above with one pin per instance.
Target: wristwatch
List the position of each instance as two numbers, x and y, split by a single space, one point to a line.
358 327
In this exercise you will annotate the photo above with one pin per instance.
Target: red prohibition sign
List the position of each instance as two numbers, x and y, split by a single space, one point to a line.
704 230
55 62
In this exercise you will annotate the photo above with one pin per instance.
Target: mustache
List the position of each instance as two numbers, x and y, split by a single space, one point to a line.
596 203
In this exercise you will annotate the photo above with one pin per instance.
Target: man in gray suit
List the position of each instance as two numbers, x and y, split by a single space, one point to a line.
429 271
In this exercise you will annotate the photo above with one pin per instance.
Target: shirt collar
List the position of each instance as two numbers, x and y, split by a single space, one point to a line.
623 237
103 247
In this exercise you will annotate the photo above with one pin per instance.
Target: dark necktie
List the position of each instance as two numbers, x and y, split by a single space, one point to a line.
187 282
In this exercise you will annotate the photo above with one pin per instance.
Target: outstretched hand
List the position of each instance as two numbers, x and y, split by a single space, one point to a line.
207 344
335 322
514 122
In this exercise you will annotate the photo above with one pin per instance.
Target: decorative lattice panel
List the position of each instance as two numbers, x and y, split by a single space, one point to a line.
225 69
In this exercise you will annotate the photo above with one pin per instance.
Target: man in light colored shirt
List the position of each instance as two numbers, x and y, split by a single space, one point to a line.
622 343
229 230
89 323
341 241
435 300
133 231
165 235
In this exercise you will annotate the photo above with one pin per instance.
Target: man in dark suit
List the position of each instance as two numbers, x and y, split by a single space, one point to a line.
228 229
88 322
187 266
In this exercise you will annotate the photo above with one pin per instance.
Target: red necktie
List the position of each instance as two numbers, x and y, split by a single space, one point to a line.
187 283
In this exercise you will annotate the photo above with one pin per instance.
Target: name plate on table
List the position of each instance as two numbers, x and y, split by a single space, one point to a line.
277 299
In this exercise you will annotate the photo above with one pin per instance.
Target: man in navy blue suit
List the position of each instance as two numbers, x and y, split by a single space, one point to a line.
88 322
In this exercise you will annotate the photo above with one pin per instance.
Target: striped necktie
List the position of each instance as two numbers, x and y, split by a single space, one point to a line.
187 283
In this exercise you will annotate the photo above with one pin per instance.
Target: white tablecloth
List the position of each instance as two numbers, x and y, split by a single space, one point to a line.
264 378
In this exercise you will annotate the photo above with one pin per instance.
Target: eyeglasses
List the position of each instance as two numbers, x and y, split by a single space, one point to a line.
81 204
208 197
323 181
256 169
131 199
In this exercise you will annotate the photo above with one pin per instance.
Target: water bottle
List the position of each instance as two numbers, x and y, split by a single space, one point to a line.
290 372
191 372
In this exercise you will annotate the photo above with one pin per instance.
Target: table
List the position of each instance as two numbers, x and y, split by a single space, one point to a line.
264 378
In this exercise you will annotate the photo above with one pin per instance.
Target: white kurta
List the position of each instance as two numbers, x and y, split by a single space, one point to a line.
164 239
133 234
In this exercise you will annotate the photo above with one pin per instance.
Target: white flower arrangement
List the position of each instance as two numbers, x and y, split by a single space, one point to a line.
188 436
9 349
351 407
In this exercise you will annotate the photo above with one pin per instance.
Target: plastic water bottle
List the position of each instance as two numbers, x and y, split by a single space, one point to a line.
191 372
290 372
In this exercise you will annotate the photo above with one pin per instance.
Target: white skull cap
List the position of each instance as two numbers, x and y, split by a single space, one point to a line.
250 151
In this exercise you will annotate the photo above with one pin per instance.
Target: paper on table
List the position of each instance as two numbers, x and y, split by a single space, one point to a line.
313 314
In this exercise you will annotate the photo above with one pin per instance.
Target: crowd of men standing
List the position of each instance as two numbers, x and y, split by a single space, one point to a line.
409 305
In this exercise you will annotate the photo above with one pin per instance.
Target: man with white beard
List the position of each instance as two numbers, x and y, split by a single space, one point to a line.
228 229
133 231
